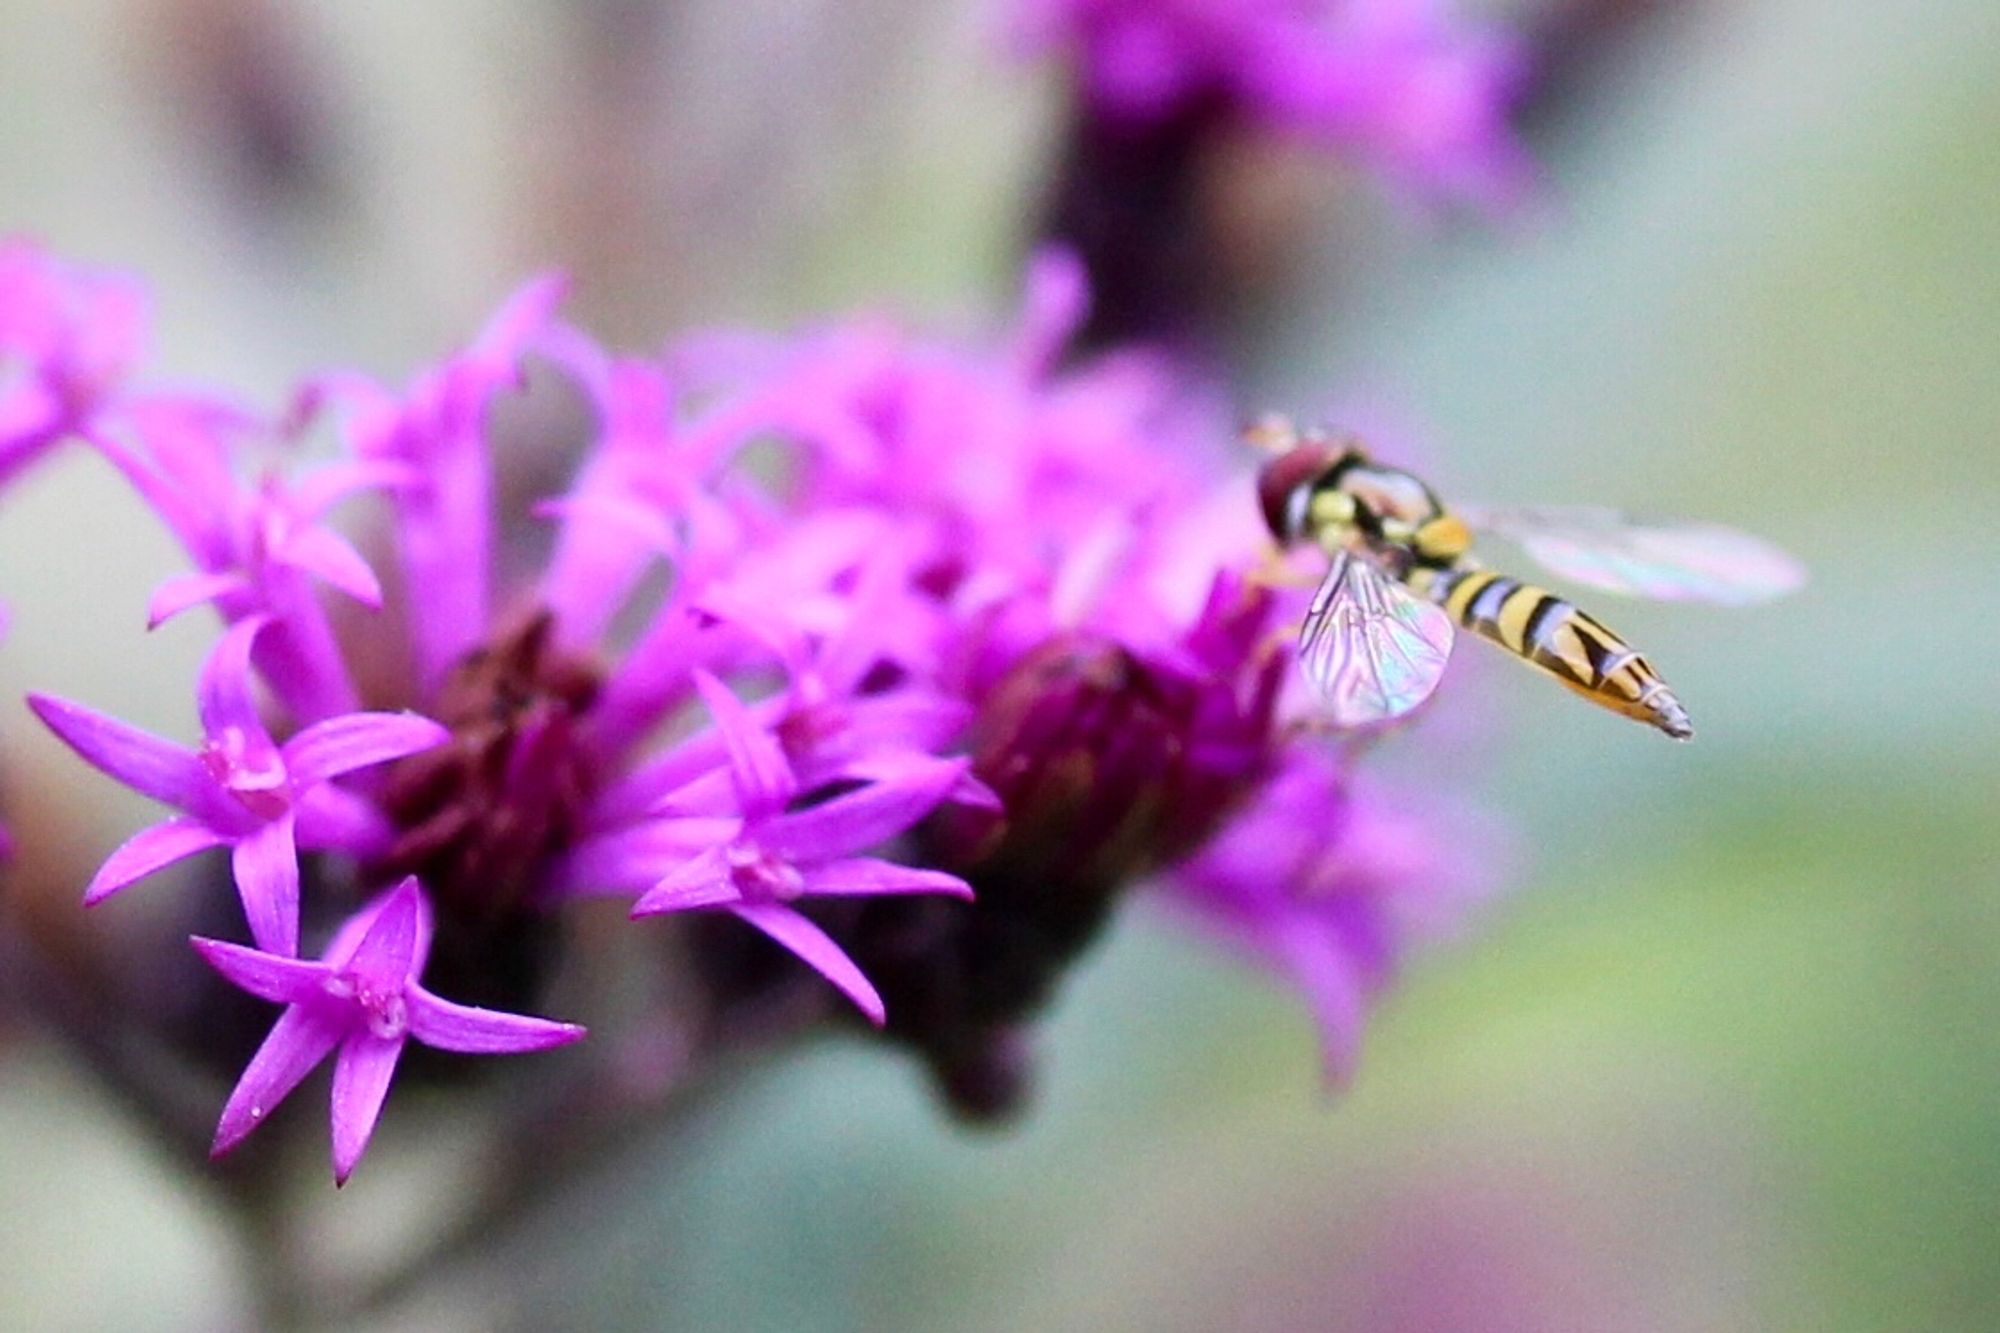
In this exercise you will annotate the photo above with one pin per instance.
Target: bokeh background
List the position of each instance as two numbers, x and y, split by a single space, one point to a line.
1727 1056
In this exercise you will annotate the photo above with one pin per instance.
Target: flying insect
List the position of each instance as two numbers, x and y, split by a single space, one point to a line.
1401 574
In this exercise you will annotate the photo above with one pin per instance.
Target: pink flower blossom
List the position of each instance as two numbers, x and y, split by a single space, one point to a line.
981 645
1330 889
766 856
1404 85
361 1003
69 336
241 789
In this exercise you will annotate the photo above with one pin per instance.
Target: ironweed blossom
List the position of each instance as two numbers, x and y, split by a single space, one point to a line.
985 646
241 789
1168 186
69 336
1329 886
363 999
1402 85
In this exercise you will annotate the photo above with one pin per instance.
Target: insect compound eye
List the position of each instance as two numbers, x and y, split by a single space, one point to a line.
1283 479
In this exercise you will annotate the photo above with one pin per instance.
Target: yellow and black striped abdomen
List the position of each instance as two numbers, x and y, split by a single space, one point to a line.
1545 631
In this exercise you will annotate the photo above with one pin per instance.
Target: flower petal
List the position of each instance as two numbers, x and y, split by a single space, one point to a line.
864 875
150 764
184 591
329 555
324 487
813 946
463 1028
340 950
356 740
148 850
632 859
764 780
512 330
1333 990
265 975
634 795
856 729
387 956
892 765
299 1040
605 518
361 1075
334 819
863 818
223 694
266 865
701 882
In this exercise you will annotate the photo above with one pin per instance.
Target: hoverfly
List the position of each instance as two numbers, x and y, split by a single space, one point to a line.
1379 629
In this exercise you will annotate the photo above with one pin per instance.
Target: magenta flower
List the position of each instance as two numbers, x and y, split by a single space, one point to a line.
257 549
1402 84
241 789
69 335
363 1000
767 856
1331 888
976 647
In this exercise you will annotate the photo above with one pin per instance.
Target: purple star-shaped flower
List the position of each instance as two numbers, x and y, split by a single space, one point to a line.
1331 887
362 998
241 789
766 857
1409 84
69 334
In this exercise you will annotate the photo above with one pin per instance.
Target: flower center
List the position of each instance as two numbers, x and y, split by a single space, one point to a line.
254 774
760 876
386 1012
479 816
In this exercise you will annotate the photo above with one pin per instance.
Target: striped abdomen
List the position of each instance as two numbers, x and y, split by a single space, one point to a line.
1545 631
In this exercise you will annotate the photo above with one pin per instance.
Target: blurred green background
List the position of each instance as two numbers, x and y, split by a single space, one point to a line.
1727 1057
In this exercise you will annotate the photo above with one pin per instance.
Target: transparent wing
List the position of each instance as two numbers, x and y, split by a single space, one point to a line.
1679 562
1374 649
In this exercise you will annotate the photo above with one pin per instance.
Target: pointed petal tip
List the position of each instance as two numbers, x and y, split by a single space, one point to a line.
1339 1053
47 707
974 794
151 849
231 1130
1336 1076
652 903
184 592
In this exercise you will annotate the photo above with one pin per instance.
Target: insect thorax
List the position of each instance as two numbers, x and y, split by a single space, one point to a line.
1328 492
1387 512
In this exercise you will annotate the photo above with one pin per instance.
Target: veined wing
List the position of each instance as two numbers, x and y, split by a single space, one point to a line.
1374 649
1603 548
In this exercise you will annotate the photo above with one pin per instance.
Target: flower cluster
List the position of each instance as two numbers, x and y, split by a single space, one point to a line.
68 336
898 658
1401 85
